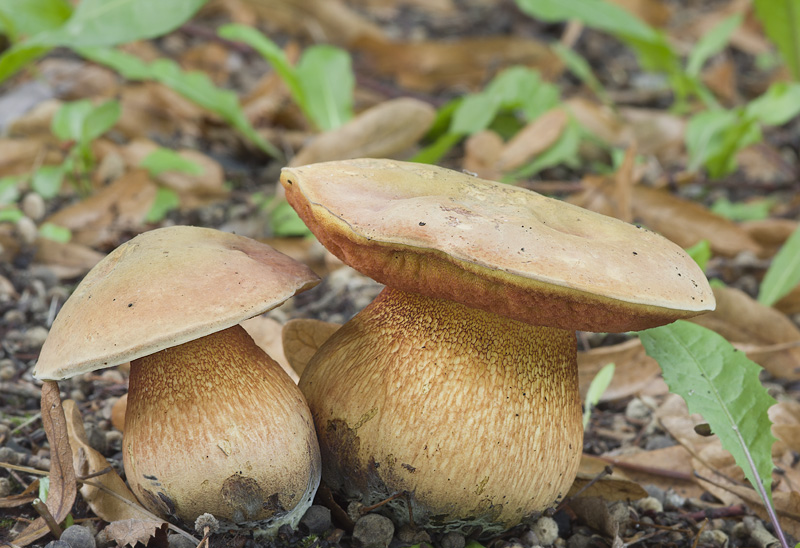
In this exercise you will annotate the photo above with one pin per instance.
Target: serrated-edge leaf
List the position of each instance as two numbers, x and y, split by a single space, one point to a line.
784 272
721 384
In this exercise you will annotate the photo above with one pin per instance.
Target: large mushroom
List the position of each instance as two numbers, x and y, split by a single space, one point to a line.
213 424
458 385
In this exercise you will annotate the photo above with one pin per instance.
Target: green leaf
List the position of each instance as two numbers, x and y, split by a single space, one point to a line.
32 16
777 106
55 232
44 488
166 200
598 385
110 22
781 20
10 214
326 78
701 253
9 190
435 151
194 85
69 120
513 87
754 210
16 57
474 114
720 383
711 43
563 151
578 66
714 137
99 120
784 272
284 221
47 181
164 159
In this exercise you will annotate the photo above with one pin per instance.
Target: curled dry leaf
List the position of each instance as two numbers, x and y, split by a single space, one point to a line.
533 139
130 531
383 131
667 468
302 338
653 12
634 370
21 156
66 259
482 153
616 486
770 233
266 333
429 66
88 461
101 218
63 488
766 335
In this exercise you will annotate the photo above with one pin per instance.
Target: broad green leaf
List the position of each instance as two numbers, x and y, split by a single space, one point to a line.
164 159
10 214
711 43
754 210
326 78
28 17
272 53
474 114
545 97
100 119
700 253
47 180
16 57
714 137
165 201
784 272
512 87
68 121
55 232
781 20
195 86
9 190
110 22
720 383
777 106
598 385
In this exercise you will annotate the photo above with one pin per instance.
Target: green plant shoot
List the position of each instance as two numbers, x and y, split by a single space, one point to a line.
784 272
598 385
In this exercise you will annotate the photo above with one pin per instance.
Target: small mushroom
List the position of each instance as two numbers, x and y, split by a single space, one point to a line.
213 424
458 385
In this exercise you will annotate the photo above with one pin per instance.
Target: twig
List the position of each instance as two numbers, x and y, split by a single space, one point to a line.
42 510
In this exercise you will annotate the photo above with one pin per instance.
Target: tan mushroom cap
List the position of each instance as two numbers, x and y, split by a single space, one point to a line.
508 250
164 288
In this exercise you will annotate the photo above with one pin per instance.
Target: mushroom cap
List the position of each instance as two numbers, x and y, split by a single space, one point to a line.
492 246
161 289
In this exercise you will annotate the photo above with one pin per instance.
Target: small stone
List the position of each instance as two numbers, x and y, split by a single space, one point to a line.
354 510
673 501
638 410
579 541
77 395
33 206
411 535
649 504
530 538
7 372
317 519
373 531
27 231
453 539
180 541
35 337
57 544
6 488
78 537
546 530
714 537
655 491
9 455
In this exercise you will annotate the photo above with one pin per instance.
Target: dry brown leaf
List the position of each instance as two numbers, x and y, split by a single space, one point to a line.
599 120
267 334
481 154
634 369
790 303
101 218
771 233
468 62
721 79
741 319
785 417
88 461
130 531
66 259
36 122
657 133
21 156
616 486
654 468
383 131
208 57
302 338
75 79
30 494
653 12
63 488
533 139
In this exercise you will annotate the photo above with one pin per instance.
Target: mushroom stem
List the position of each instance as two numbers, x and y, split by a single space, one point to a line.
477 416
220 409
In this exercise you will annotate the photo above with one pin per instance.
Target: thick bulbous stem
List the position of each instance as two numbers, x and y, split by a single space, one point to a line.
215 425
477 417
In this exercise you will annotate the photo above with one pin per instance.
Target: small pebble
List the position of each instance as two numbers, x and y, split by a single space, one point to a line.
638 410
655 491
7 372
411 535
649 504
373 531
6 488
546 530
77 395
453 539
579 541
33 206
714 536
57 544
27 231
180 541
317 519
673 501
78 537
35 337
9 455
530 538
